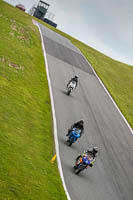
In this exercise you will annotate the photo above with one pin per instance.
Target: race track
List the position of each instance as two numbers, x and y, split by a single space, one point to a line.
111 178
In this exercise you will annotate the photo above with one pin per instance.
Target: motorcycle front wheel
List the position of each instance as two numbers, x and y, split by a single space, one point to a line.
70 143
78 170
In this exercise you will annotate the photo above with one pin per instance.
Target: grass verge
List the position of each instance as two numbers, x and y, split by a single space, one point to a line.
26 140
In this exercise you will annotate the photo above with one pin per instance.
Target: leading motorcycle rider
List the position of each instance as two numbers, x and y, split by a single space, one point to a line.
74 79
91 153
79 125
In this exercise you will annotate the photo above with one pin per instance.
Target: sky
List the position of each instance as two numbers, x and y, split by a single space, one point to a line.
106 25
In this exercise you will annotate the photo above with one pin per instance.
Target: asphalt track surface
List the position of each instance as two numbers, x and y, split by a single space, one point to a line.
111 178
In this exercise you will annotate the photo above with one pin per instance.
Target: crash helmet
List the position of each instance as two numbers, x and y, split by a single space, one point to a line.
81 121
95 149
76 76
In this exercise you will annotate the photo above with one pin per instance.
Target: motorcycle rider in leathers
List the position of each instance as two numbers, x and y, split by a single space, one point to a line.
74 79
91 153
79 125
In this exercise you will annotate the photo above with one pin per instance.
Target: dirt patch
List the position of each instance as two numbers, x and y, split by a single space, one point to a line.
2 59
14 27
22 37
11 64
11 33
22 30
14 65
13 21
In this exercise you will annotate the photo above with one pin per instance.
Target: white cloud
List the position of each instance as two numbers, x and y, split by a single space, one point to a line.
121 13
106 25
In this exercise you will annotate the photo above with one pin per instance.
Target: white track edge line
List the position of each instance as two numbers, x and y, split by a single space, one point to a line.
108 94
54 117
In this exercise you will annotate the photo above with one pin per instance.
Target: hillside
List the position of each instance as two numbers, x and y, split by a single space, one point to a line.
26 139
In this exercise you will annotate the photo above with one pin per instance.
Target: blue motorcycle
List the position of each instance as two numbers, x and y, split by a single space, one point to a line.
83 164
73 136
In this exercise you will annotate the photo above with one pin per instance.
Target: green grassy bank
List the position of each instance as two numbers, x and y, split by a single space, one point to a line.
26 140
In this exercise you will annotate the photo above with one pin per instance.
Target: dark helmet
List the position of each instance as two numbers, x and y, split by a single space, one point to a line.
81 121
76 77
95 149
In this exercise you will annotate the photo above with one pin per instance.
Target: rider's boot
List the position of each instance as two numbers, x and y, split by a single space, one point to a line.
68 132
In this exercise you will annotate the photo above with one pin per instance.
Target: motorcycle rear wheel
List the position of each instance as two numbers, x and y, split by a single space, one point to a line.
68 92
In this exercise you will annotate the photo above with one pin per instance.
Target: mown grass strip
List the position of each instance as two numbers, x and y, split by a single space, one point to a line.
26 140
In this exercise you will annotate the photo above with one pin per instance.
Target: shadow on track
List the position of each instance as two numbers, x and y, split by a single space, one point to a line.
73 147
83 176
64 92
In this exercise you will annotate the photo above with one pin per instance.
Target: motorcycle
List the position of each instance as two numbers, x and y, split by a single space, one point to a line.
82 164
70 87
73 136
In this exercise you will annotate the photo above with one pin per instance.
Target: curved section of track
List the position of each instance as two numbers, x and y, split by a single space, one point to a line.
111 178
